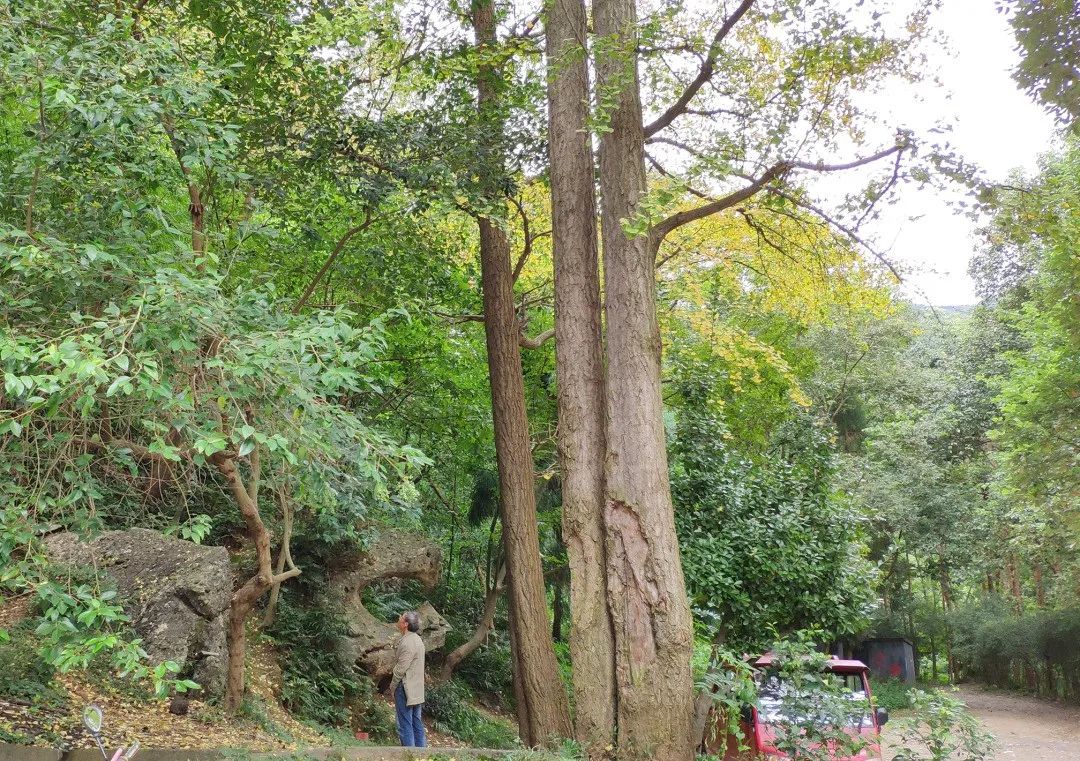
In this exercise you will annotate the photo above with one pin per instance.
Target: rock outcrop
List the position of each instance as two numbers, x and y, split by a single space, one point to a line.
369 642
175 592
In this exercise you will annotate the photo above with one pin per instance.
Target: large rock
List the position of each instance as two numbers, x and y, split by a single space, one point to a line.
175 592
370 642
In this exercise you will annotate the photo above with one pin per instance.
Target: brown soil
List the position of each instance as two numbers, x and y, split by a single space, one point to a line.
1027 729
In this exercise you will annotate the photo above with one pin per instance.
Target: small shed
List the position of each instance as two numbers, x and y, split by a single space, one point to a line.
889 658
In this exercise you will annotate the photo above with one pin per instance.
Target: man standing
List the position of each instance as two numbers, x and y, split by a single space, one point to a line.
407 686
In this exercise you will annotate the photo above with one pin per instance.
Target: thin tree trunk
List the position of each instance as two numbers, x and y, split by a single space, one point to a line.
946 586
558 611
1040 587
543 709
580 372
647 594
284 556
483 627
1013 571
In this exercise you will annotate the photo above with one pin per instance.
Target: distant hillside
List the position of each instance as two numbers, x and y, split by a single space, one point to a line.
951 310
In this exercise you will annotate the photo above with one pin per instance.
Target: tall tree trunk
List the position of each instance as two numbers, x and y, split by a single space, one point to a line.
1040 586
580 372
647 594
543 709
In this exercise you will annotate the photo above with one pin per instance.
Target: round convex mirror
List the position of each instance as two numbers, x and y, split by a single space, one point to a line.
91 719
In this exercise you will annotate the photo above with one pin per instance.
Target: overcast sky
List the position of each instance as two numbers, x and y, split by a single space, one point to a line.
995 126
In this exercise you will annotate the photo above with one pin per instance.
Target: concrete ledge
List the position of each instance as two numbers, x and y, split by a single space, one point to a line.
361 753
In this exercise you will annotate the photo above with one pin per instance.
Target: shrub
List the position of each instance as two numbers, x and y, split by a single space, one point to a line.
1036 651
891 694
489 670
448 705
942 730
24 675
315 684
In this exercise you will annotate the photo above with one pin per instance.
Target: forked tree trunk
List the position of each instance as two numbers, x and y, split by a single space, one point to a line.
543 709
243 600
646 590
580 372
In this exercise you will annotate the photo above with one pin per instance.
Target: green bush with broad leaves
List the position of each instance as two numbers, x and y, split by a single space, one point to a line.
942 730
138 378
767 547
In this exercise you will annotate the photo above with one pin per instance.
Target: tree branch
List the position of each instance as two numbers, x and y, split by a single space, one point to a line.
708 67
538 341
847 231
526 248
368 219
821 166
662 229
458 317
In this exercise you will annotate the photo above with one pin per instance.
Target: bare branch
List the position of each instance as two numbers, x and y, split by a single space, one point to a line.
705 73
526 247
821 166
458 317
659 168
675 144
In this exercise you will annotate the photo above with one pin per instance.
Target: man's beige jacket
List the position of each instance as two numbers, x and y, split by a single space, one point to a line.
409 668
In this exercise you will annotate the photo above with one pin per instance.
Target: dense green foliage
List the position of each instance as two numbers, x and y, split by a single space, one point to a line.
769 548
970 462
237 245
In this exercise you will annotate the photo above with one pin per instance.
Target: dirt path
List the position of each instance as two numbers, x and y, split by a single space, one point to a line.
1026 729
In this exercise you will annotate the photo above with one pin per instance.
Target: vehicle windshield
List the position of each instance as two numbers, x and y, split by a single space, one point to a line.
780 704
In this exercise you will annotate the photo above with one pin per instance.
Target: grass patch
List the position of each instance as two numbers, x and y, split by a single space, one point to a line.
254 709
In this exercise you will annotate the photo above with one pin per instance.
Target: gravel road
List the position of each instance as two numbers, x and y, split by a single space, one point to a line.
1027 729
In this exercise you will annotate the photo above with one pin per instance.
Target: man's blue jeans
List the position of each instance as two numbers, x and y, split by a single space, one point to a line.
409 726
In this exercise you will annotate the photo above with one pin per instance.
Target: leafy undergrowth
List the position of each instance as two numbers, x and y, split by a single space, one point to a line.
452 708
42 707
39 706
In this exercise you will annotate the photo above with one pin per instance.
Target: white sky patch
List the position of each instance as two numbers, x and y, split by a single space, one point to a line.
994 125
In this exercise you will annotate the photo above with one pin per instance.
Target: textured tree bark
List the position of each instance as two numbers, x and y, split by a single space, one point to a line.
646 590
543 708
580 372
